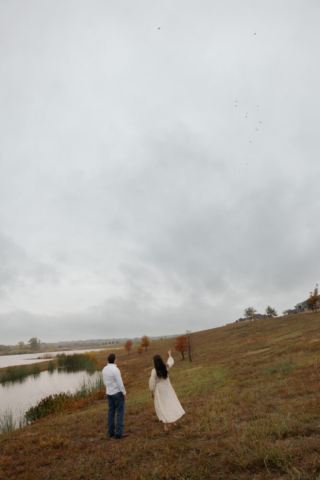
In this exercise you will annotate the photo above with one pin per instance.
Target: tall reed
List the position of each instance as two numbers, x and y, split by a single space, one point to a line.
90 385
78 361
10 421
52 366
35 370
13 374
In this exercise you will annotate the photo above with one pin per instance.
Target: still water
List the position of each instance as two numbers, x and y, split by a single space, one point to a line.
20 396
27 358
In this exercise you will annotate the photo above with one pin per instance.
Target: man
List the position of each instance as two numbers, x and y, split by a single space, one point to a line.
116 395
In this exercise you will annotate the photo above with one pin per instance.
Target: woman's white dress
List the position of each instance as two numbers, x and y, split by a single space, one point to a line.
166 403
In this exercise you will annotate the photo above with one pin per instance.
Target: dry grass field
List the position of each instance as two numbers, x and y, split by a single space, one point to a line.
252 403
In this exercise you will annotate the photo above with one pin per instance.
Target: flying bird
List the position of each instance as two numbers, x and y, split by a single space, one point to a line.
255 34
159 28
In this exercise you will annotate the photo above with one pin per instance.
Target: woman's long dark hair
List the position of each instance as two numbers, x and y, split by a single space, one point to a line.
161 368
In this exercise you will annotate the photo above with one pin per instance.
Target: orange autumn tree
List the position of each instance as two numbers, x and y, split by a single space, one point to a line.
314 298
128 346
181 345
145 342
140 350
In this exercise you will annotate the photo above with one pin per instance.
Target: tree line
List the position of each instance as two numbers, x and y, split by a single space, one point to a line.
251 312
34 344
145 342
184 344
313 303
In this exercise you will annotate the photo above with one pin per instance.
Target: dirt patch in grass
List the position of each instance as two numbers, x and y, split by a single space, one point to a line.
256 352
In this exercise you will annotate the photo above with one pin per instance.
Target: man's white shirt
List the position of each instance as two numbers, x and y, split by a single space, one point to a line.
112 379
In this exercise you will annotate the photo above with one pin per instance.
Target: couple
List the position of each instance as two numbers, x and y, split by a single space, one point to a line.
166 402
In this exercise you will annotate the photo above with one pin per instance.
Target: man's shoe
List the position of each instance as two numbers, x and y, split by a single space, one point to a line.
124 435
110 435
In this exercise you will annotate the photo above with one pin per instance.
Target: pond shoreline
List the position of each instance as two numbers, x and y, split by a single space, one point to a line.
16 360
18 398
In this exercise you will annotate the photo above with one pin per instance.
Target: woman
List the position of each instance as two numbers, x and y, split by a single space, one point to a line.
166 402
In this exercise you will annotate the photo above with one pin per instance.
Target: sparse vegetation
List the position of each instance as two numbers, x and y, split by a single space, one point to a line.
10 421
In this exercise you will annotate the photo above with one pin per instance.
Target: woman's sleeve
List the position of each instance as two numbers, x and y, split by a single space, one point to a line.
153 381
170 362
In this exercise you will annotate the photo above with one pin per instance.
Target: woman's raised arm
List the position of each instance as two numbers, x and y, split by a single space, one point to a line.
170 361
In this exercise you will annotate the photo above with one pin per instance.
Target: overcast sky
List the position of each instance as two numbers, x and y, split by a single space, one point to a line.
159 164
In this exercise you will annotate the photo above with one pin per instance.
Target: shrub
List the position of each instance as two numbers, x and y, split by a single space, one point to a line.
78 361
60 402
48 405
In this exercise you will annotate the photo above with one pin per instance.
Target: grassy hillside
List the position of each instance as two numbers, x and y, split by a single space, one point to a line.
252 405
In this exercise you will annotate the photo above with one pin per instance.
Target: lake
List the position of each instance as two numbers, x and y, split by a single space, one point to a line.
28 358
18 397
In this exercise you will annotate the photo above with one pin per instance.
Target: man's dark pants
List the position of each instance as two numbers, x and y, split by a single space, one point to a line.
117 405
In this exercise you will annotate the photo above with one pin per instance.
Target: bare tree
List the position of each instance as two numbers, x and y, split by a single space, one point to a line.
190 341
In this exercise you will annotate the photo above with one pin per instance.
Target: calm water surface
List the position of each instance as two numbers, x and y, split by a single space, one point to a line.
27 358
20 396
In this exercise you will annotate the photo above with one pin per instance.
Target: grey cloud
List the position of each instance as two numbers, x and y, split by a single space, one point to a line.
19 269
133 193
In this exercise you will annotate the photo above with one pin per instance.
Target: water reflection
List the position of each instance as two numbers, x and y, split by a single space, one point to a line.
28 358
20 396
70 363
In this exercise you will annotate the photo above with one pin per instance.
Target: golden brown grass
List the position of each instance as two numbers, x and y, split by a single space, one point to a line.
252 405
